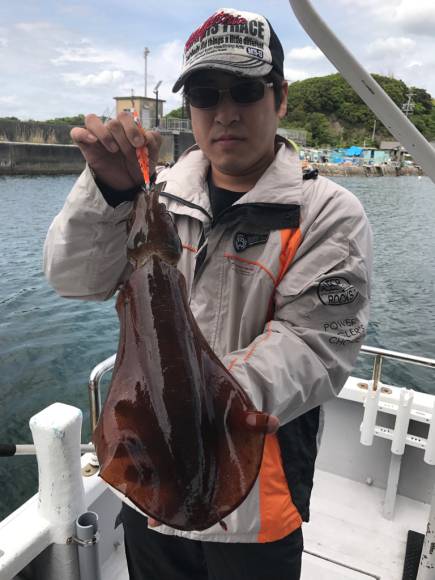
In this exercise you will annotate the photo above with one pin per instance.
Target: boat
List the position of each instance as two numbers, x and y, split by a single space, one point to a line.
370 505
373 502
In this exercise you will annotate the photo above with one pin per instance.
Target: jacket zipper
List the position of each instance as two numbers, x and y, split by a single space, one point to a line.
186 203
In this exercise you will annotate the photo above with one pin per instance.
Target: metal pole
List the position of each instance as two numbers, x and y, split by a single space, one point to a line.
87 539
146 53
11 449
94 388
377 368
157 107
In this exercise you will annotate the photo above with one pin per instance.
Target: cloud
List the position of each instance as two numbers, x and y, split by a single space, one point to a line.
33 26
84 51
362 3
416 17
411 16
79 54
305 62
8 100
309 53
3 37
415 64
368 8
395 47
103 78
74 57
296 74
78 9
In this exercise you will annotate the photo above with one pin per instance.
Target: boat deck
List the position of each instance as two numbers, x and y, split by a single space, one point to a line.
347 537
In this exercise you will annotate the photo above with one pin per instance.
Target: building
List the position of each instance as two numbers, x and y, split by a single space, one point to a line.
394 149
145 106
176 133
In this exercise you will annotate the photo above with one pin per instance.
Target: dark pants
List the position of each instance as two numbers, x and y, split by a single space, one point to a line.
155 556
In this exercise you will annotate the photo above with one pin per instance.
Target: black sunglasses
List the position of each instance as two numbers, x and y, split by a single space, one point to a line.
243 93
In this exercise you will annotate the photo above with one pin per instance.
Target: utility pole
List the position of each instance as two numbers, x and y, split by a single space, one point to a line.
408 107
146 53
156 92
374 130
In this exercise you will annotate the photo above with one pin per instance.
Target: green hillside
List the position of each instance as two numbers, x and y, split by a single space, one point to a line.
333 114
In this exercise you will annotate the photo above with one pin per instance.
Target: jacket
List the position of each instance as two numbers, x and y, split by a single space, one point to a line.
279 284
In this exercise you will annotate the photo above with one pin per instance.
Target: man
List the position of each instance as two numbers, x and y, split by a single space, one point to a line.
277 266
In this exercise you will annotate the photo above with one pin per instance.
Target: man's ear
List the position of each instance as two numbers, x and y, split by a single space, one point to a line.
282 110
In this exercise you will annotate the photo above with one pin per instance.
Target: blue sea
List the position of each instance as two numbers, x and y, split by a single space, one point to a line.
48 344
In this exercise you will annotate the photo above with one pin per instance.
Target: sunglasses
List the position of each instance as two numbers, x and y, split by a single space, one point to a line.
244 93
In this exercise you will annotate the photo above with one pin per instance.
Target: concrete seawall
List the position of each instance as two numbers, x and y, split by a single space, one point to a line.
18 158
36 159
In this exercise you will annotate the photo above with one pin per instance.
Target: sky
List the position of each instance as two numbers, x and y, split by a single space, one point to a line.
67 57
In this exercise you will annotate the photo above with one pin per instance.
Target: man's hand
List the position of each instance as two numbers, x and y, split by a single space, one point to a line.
262 422
110 149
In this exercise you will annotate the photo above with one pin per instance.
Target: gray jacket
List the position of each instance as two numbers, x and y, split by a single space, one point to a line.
279 285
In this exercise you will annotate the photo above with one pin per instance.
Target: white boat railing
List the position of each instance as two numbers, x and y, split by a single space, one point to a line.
380 354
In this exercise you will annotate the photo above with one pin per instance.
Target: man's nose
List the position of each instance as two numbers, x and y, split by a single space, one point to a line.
227 111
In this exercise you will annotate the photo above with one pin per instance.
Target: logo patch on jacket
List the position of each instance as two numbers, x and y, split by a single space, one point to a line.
242 241
336 292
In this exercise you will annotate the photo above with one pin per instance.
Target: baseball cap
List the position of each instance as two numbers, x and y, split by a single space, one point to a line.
233 41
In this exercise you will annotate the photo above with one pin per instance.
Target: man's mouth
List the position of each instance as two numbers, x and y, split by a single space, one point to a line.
224 138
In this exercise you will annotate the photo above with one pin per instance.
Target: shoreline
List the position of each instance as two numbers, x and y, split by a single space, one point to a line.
18 158
379 170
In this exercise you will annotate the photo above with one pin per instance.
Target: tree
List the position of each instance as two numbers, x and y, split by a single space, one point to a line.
332 112
177 113
320 128
75 120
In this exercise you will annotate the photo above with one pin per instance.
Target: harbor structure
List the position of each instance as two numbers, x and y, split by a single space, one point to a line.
149 109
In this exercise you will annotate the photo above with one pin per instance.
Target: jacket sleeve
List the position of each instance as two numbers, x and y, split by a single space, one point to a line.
308 349
85 247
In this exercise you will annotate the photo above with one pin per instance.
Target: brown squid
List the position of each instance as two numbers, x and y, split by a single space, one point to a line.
172 435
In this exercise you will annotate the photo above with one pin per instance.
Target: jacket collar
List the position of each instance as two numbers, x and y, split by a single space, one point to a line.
280 183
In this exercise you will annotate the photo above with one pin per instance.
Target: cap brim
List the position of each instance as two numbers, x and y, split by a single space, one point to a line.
246 69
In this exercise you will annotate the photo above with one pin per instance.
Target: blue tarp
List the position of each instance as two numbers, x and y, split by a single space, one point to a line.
354 151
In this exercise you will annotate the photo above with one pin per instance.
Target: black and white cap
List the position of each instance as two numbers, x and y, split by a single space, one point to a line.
241 43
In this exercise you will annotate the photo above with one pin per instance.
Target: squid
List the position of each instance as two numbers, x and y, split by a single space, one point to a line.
172 436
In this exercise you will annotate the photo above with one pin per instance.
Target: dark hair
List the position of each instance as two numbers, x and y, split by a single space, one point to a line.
277 80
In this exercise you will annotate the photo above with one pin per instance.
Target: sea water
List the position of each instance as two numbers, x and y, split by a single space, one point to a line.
48 344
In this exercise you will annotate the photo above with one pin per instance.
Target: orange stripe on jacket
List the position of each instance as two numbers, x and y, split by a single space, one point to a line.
278 515
254 263
290 242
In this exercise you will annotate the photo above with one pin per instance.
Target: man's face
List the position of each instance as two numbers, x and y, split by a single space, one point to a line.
237 138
